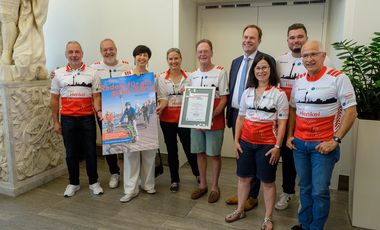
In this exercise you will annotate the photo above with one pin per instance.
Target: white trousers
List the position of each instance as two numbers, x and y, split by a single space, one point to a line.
139 167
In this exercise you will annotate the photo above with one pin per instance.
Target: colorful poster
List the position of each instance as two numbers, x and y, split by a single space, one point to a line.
128 111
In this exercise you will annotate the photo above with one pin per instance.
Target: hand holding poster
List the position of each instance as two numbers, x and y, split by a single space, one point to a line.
128 112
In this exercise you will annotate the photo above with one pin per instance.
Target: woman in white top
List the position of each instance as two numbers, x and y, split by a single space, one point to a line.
260 129
139 166
173 82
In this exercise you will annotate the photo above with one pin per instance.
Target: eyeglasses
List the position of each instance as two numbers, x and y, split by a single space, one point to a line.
311 55
263 68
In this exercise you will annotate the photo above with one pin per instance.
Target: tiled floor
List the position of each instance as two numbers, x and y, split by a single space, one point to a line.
46 208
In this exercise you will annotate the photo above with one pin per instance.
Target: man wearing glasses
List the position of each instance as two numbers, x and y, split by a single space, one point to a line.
316 126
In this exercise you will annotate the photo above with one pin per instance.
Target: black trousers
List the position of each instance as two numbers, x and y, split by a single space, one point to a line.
79 135
288 169
112 158
170 131
255 182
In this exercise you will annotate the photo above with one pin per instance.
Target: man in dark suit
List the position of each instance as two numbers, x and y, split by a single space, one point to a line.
238 77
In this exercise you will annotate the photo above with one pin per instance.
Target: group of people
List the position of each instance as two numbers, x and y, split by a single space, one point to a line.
297 107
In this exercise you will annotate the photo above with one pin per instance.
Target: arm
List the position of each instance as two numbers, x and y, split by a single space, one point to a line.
220 108
161 105
348 119
291 126
275 151
97 105
238 129
162 95
54 106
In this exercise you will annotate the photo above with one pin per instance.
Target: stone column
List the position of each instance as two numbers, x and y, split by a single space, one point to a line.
31 153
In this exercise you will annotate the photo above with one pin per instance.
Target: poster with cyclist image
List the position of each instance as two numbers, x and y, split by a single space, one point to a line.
129 121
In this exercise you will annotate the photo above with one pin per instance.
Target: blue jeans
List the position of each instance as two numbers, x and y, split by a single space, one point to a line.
79 134
314 171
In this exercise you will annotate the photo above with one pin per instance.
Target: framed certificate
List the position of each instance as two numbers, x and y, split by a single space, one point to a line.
197 107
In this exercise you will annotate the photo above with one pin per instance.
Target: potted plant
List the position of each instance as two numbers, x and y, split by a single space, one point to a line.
361 63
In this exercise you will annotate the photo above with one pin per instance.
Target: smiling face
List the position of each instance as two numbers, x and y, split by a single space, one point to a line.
74 55
313 57
296 39
250 40
174 60
204 54
262 72
142 59
109 52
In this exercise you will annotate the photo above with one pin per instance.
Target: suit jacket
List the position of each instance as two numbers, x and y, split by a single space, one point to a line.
235 66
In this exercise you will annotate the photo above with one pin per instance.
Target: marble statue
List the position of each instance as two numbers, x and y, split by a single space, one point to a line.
22 40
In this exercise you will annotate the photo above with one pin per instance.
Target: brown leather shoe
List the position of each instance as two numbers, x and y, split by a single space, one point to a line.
198 193
250 203
232 200
214 196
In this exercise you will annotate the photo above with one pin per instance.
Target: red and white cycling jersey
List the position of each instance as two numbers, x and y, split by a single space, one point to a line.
216 77
75 88
106 71
260 123
167 89
289 68
319 101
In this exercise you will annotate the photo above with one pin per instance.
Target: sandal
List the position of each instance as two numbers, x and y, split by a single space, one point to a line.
234 216
266 222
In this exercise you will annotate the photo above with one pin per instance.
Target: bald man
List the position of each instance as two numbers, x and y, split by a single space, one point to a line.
315 130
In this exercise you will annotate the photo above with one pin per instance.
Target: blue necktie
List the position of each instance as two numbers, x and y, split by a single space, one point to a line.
243 76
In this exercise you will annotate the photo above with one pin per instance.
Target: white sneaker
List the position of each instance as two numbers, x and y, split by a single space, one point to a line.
151 191
96 189
70 190
128 197
114 181
284 201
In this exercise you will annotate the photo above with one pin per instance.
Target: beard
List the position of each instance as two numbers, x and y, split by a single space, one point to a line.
110 60
296 50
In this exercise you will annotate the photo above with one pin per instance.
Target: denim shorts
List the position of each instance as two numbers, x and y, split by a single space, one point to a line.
207 141
252 161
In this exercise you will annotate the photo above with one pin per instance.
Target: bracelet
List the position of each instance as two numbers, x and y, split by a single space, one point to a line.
277 146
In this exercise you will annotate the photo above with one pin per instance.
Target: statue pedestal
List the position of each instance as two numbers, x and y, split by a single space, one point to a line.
31 153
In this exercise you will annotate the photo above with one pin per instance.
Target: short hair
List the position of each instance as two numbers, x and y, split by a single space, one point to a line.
105 40
260 32
140 49
297 26
73 42
173 50
204 41
273 77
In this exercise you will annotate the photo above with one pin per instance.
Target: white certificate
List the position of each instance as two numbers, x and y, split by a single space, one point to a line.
197 107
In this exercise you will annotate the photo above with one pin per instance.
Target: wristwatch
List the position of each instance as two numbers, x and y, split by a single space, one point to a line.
337 139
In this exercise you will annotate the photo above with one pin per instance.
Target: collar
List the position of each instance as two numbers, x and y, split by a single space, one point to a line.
318 75
251 56
268 87
81 68
168 73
